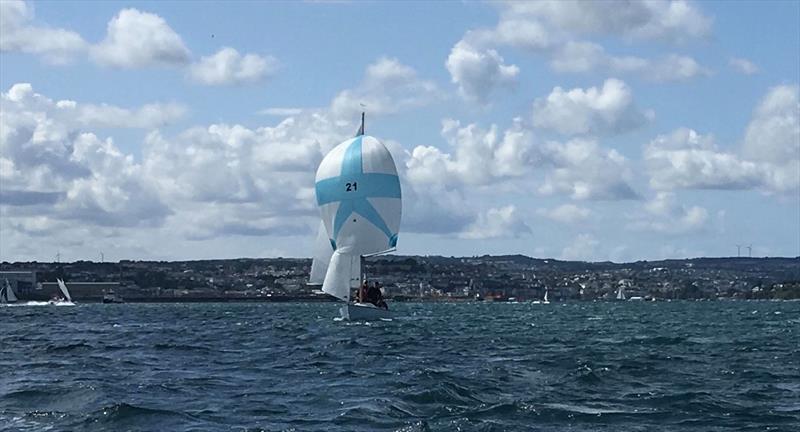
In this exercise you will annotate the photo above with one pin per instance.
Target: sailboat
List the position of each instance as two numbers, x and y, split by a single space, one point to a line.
66 299
7 293
358 194
620 293
544 299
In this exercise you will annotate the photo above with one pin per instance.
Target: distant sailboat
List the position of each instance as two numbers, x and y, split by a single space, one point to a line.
544 300
358 194
620 293
7 293
67 299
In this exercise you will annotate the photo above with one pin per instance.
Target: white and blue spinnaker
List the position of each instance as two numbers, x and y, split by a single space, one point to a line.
359 197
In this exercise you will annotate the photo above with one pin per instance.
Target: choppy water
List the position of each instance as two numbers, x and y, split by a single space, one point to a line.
629 366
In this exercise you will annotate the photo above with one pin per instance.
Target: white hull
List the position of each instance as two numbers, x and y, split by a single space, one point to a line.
364 312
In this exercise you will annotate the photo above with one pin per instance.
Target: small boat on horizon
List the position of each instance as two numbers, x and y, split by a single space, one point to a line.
544 299
112 297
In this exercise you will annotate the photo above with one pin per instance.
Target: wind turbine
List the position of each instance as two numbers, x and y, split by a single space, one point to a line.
738 251
750 251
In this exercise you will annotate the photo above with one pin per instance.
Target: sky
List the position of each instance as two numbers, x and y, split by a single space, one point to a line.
590 131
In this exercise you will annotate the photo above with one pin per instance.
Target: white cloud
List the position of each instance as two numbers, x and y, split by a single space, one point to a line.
137 39
582 57
676 68
607 110
743 65
516 31
769 160
585 171
479 158
773 137
664 214
773 134
671 21
235 164
432 208
19 33
227 67
204 182
71 114
588 56
281 111
500 222
686 159
479 72
389 86
579 168
149 116
555 29
582 248
434 180
57 172
566 213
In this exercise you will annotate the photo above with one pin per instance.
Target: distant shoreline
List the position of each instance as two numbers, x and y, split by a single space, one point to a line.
426 300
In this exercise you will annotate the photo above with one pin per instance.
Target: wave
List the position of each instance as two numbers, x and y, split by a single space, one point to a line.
68 347
124 413
469 367
37 303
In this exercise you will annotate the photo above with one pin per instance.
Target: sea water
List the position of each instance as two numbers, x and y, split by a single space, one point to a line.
621 366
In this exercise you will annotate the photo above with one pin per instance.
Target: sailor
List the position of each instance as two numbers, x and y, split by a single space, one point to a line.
372 294
376 296
363 291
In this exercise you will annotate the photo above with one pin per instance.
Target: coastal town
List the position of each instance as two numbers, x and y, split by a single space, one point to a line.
430 278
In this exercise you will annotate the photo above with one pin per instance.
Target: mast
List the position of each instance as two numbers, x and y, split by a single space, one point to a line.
363 260
361 129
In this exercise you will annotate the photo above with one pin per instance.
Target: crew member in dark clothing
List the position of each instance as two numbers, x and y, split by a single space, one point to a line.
372 294
378 297
363 292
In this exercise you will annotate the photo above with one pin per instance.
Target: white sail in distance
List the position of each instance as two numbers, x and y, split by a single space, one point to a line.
358 194
7 293
64 290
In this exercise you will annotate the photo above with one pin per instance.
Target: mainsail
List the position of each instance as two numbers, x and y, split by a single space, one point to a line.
7 293
64 290
358 194
323 250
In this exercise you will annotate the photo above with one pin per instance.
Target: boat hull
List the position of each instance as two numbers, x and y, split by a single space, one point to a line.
364 312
